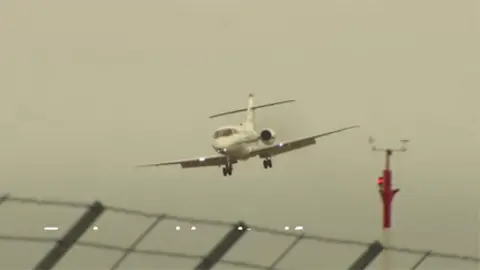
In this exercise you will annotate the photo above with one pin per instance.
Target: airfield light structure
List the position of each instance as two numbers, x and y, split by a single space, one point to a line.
387 192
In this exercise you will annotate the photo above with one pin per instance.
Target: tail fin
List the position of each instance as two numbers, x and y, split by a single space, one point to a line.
250 110
250 120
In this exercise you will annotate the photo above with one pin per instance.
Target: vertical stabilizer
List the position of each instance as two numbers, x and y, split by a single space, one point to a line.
250 121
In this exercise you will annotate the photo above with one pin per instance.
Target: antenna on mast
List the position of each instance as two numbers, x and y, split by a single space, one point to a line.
403 148
386 191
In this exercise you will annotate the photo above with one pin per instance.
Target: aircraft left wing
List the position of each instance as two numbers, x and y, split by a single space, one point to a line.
287 146
216 160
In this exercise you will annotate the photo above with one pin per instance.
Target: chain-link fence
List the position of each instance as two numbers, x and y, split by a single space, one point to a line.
215 257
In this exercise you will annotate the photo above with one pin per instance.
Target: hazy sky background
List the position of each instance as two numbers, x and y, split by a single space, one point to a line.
90 89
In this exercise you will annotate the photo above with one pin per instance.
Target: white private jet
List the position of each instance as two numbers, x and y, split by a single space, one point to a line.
242 142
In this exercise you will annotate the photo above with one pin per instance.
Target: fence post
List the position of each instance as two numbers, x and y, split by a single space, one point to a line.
367 257
4 198
216 254
137 242
422 259
71 237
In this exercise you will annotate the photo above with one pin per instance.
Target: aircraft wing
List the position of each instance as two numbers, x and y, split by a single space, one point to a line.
216 160
287 146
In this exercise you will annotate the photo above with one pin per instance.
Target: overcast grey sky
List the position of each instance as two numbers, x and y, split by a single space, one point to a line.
91 88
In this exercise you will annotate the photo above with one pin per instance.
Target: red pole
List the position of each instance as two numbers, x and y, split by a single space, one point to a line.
388 192
387 199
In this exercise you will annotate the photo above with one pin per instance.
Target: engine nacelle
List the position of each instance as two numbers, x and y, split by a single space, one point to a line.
267 136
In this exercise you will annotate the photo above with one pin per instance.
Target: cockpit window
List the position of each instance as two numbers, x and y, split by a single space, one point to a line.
224 133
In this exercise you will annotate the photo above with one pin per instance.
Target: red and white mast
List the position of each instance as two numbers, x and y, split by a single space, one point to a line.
387 193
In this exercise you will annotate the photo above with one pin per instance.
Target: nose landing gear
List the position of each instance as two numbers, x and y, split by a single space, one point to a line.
267 163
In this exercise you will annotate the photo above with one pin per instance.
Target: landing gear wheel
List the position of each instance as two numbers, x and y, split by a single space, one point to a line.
267 163
227 170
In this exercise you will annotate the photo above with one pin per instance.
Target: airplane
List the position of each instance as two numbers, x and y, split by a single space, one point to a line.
234 143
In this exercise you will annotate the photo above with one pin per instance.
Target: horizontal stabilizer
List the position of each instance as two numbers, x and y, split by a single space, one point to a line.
254 108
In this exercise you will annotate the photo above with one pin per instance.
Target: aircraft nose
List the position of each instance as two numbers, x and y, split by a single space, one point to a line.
220 146
219 149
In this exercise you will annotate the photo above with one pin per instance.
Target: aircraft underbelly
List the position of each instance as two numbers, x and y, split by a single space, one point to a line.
239 151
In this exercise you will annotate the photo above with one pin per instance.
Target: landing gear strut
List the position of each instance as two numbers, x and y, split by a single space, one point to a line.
267 163
227 170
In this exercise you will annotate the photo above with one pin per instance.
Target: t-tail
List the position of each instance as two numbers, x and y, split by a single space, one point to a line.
249 123
250 111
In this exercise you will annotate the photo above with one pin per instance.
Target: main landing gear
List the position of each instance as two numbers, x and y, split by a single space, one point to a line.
267 163
227 170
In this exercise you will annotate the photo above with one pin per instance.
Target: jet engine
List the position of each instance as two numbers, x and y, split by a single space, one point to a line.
267 136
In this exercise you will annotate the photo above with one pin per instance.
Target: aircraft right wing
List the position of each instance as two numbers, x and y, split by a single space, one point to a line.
287 146
216 160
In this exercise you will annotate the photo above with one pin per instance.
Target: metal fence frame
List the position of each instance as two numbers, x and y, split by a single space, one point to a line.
207 261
